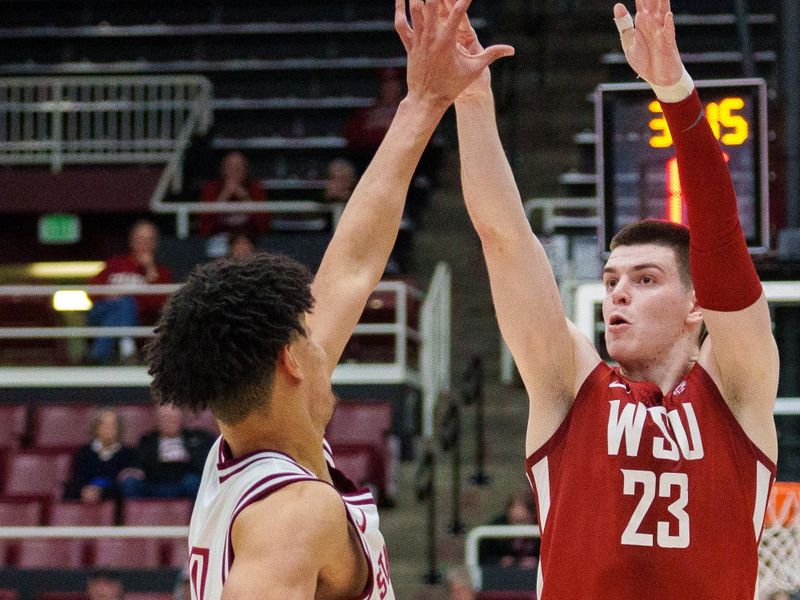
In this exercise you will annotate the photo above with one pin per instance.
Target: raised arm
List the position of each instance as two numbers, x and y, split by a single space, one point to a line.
552 357
740 353
355 260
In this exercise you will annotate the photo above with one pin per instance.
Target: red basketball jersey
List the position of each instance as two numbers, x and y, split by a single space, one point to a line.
642 495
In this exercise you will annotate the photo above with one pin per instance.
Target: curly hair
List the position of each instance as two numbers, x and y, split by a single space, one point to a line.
220 335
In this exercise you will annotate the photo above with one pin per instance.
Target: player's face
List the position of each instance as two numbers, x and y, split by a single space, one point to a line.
646 305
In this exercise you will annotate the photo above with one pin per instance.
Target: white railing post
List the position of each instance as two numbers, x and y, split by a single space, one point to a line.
401 322
435 355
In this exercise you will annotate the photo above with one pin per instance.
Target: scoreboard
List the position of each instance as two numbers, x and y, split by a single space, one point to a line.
637 172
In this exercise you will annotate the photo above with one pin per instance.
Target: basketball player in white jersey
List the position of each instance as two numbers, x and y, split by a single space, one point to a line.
274 519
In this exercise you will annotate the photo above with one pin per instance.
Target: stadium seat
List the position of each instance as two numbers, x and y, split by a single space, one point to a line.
147 596
32 473
178 552
50 554
126 553
359 464
8 594
68 513
17 512
63 426
13 425
137 419
204 420
156 511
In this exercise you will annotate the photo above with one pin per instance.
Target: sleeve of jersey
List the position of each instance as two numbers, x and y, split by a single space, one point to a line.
723 273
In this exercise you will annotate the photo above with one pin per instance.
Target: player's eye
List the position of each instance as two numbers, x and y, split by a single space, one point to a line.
610 283
647 280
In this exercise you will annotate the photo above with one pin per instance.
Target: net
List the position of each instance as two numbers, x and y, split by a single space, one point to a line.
779 552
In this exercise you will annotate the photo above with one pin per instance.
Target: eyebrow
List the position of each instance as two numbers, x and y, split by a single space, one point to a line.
641 267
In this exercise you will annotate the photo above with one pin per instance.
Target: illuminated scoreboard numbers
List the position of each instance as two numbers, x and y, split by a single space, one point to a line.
638 174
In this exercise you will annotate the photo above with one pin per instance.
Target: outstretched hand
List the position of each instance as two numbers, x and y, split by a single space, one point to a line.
649 43
440 67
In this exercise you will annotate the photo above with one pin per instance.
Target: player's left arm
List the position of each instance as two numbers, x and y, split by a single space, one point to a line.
437 71
741 353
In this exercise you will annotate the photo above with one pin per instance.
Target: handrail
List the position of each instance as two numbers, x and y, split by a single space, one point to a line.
435 329
397 372
474 536
83 532
101 119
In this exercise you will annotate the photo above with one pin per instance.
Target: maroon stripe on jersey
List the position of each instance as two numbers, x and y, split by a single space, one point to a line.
242 467
249 498
365 548
364 502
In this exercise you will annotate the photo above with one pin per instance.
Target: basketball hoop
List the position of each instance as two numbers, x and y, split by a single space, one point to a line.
779 552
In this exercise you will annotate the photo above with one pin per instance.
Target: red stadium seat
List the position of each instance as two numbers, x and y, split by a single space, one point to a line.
35 473
137 419
17 512
8 594
148 596
13 425
63 426
204 420
68 513
358 463
369 424
156 511
51 554
126 553
178 551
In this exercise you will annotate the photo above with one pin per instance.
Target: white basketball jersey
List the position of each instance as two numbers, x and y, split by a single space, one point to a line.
230 485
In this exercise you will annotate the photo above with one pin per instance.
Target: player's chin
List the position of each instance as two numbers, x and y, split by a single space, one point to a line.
620 350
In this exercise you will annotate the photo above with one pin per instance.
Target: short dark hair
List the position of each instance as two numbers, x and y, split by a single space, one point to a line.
660 233
219 337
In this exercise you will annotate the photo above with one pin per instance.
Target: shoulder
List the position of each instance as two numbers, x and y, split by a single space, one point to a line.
309 514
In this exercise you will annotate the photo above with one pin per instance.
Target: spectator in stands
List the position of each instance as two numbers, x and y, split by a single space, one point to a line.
234 185
513 552
170 459
137 267
96 467
341 181
241 245
459 585
104 585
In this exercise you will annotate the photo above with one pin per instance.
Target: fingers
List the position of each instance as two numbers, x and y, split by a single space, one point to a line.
493 53
457 16
640 6
417 20
431 22
401 25
622 19
620 10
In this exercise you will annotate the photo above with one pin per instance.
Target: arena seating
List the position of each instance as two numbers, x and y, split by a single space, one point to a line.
13 425
36 473
126 553
156 511
63 427
70 513
51 554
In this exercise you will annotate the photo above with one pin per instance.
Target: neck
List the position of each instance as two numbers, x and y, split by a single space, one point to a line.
292 434
666 370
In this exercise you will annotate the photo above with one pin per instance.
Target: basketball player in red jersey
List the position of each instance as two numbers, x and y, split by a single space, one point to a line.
651 478
274 518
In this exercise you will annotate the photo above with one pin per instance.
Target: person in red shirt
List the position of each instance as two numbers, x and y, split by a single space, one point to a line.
137 267
651 477
234 185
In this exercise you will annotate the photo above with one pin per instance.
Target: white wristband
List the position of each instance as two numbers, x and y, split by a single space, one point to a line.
677 91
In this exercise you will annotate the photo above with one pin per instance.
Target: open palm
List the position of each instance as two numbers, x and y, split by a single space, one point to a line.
650 47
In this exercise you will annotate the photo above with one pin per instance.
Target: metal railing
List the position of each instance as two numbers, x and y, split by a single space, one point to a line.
474 537
58 121
435 327
433 336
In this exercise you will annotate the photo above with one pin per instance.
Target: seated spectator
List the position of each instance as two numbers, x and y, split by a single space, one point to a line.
104 585
519 552
96 467
137 267
170 459
242 245
234 185
341 182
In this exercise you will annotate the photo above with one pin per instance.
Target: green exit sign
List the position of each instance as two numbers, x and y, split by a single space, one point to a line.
59 229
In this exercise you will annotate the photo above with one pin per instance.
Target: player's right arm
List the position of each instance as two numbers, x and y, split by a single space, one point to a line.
553 357
294 545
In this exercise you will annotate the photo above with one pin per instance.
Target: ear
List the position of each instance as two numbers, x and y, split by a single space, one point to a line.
695 316
290 364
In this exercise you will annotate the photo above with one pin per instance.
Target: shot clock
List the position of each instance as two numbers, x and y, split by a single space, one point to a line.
637 171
